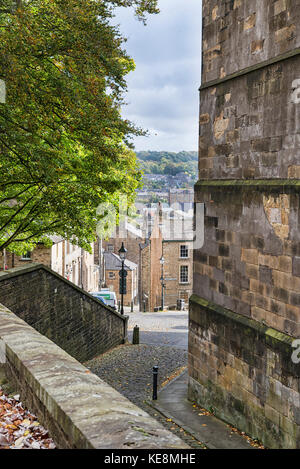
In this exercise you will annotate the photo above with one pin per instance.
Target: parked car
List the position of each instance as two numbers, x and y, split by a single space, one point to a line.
96 295
108 297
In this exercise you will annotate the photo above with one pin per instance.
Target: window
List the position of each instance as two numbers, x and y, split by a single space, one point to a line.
184 251
111 275
184 274
26 256
110 248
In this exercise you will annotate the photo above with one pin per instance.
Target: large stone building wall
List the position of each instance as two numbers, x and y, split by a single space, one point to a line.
249 126
245 312
249 264
66 314
242 371
241 33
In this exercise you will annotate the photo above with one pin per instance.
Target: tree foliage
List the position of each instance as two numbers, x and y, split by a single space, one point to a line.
64 146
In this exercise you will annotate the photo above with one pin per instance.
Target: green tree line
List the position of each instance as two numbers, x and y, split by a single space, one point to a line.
169 163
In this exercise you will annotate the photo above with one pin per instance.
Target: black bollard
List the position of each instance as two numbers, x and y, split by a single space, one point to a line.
136 335
155 375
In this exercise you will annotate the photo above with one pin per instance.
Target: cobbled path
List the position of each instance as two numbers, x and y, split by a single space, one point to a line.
128 369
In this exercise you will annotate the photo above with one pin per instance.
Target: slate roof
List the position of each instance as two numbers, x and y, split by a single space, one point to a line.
113 262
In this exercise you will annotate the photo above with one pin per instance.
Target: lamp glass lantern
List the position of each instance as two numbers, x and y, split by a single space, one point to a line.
122 252
162 260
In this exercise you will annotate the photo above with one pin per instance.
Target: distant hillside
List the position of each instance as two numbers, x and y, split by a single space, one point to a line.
163 162
181 157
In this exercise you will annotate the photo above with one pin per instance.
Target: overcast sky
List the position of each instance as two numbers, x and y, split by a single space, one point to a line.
163 90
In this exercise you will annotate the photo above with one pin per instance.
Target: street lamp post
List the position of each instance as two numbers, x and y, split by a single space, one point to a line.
123 274
162 261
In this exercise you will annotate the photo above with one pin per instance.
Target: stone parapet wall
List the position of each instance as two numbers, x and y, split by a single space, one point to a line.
243 371
78 408
61 311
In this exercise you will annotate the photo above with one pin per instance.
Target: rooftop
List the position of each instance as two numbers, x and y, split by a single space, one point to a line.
113 262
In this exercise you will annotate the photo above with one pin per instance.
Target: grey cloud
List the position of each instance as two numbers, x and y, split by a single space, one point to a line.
162 92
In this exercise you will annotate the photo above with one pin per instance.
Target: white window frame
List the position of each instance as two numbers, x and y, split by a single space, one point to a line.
183 282
186 248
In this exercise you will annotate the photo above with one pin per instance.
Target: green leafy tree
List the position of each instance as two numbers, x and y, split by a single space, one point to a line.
64 146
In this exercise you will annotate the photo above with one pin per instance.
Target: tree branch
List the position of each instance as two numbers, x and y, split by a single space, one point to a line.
17 213
19 229
16 195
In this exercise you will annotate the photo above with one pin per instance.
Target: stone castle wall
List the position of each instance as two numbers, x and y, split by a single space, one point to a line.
249 264
244 33
242 371
250 126
247 275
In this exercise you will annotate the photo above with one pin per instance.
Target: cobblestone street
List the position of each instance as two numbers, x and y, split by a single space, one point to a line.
163 342
128 368
164 328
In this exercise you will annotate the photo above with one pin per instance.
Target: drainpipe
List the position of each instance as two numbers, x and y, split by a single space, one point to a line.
81 269
100 262
4 259
63 258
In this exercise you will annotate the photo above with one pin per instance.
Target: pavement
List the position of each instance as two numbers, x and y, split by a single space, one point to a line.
172 402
